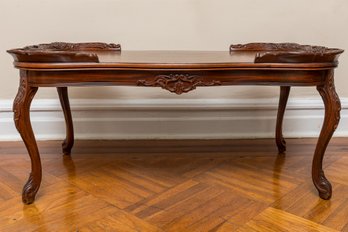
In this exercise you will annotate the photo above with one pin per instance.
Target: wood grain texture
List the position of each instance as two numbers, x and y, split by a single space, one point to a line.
175 186
277 220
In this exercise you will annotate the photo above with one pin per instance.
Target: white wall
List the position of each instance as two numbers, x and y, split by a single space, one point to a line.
172 24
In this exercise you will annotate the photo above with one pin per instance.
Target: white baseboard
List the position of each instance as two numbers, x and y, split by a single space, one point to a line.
172 119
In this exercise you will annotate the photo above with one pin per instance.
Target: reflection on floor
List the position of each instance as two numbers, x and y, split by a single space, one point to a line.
192 185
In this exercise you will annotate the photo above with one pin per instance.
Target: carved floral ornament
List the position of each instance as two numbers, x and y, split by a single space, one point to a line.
18 100
62 46
281 47
178 83
289 52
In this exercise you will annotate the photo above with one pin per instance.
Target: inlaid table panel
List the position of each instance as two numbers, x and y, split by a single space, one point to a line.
62 65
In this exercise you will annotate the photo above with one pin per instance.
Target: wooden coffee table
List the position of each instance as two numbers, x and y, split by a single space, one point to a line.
83 64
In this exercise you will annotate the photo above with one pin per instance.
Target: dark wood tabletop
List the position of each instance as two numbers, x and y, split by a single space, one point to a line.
251 56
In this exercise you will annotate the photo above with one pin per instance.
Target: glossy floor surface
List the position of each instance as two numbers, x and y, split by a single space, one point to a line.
221 185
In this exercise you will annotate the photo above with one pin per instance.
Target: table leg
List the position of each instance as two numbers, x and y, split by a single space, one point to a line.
331 119
21 109
283 99
64 101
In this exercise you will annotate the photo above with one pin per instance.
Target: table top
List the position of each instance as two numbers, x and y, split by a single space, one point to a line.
100 55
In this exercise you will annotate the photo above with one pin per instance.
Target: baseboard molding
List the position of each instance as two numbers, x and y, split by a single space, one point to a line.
172 119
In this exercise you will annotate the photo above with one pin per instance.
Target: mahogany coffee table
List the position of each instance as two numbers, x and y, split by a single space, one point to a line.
81 64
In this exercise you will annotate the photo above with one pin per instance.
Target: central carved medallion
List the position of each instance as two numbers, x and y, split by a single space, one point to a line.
178 83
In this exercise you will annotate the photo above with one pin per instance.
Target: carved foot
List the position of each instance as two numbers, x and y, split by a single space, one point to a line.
66 147
29 190
331 120
324 187
281 144
283 99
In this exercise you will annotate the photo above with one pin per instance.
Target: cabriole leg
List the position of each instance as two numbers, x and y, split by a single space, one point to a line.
283 99
21 109
64 101
332 117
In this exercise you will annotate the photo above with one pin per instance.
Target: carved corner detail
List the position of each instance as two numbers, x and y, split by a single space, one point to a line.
22 101
63 46
18 101
178 83
280 47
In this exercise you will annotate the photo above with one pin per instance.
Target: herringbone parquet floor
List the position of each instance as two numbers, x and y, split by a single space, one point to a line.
222 185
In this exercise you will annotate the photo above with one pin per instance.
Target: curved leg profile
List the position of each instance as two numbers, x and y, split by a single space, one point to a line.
64 101
283 99
332 117
21 109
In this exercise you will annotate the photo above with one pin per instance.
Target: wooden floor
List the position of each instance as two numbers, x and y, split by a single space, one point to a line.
221 185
